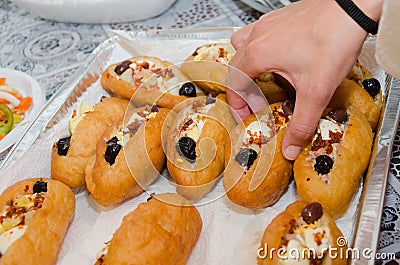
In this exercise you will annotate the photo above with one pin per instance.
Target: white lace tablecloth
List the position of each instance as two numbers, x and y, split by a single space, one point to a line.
51 52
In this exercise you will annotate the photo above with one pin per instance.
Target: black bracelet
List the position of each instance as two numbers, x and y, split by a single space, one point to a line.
355 13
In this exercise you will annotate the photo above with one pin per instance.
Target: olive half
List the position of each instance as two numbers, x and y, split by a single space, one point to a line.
323 164
312 212
246 157
372 86
40 186
63 146
112 150
188 90
122 67
186 147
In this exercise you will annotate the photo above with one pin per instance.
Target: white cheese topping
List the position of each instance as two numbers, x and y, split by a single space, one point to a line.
326 125
312 238
194 129
213 52
80 111
254 133
127 76
9 237
357 71
291 257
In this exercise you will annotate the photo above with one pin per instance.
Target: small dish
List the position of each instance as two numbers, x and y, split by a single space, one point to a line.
26 86
95 11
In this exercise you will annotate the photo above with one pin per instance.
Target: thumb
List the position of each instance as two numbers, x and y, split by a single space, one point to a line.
306 115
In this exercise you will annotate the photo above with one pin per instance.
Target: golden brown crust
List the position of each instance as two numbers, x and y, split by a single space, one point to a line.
274 171
280 226
70 169
272 92
209 75
196 179
142 95
156 232
127 178
351 93
42 240
344 178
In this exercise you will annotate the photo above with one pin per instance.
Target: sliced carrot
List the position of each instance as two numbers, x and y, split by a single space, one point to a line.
3 80
4 101
1 137
15 94
1 117
24 105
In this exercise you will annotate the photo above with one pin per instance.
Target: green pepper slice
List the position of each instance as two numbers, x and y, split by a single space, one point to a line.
8 120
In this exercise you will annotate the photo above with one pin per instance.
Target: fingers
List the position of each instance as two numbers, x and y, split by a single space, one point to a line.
309 107
255 98
238 105
239 38
237 83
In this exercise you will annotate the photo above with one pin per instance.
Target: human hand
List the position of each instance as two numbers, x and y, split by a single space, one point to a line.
311 43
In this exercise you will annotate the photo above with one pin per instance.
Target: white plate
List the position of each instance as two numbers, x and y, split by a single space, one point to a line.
95 11
26 86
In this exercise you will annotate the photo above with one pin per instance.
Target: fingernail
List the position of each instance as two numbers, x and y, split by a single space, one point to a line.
291 152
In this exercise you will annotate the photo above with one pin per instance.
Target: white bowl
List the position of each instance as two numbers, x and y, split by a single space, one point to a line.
26 86
95 11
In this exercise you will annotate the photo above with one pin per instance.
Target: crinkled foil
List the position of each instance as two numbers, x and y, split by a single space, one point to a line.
363 234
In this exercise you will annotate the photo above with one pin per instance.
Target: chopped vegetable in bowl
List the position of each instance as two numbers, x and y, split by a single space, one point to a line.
12 107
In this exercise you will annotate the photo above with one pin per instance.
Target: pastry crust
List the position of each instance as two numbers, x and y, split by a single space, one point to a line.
136 166
272 174
138 92
272 92
42 240
163 230
281 224
196 179
206 72
344 178
351 93
70 169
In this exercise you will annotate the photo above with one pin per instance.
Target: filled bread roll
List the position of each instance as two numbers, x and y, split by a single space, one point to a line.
129 156
302 234
71 154
35 216
163 230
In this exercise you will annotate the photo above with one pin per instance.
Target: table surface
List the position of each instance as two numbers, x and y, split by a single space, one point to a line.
51 52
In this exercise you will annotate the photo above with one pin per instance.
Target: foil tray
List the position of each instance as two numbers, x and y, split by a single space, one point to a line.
365 229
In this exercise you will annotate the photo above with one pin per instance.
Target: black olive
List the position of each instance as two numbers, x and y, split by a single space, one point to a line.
112 150
122 67
312 212
186 147
188 89
323 164
372 86
63 146
155 108
246 157
40 186
288 107
338 115
211 98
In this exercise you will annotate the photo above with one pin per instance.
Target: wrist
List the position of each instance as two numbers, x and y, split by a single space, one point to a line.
371 8
367 21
